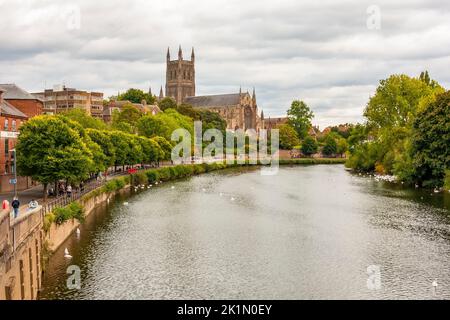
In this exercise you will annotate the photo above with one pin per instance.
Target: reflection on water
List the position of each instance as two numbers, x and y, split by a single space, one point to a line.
308 232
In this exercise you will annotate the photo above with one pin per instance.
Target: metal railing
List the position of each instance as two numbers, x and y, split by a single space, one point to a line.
65 199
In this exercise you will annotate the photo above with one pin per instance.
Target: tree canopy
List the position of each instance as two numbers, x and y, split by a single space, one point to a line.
136 96
49 150
300 116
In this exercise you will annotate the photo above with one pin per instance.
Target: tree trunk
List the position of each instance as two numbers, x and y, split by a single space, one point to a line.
45 192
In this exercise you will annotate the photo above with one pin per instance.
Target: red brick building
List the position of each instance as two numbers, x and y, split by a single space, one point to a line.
25 102
10 121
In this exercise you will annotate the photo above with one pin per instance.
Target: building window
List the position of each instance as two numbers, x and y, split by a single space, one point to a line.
13 125
6 124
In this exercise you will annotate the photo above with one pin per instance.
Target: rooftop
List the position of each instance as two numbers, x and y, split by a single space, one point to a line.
218 100
14 92
6 109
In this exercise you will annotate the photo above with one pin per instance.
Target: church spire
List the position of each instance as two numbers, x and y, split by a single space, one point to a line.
240 90
180 53
192 55
168 54
254 94
161 94
150 91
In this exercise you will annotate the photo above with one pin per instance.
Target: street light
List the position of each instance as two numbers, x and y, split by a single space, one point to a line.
15 172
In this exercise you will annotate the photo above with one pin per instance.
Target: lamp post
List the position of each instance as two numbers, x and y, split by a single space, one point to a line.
15 172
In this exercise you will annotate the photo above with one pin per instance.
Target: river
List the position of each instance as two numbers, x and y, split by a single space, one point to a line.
309 232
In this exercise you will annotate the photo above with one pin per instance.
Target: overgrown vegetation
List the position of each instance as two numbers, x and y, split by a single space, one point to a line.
73 211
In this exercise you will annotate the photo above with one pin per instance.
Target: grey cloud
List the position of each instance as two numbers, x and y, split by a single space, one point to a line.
321 52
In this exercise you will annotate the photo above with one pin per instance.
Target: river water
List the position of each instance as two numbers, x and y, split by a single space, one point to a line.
309 232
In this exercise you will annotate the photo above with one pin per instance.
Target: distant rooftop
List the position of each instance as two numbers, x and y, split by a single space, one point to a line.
12 91
218 100
6 109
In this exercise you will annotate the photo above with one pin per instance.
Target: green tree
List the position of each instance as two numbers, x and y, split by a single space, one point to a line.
342 146
163 124
86 121
165 146
126 118
309 146
136 96
431 142
167 103
330 147
49 150
288 137
121 146
300 116
104 141
99 159
397 100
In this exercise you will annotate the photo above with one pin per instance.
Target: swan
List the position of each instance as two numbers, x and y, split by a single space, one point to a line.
173 187
232 199
125 203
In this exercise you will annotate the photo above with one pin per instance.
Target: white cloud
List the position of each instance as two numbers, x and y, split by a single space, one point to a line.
321 52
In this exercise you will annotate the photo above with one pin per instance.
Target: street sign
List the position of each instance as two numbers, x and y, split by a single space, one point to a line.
12 181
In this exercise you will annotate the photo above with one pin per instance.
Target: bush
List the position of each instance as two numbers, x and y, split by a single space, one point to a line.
152 176
72 211
447 180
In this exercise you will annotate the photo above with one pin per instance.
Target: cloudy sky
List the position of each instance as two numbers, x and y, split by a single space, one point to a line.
330 54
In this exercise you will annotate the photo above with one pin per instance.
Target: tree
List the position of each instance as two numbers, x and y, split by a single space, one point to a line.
121 146
49 150
129 115
300 116
165 146
86 121
136 96
99 159
431 142
167 103
309 146
397 100
288 137
163 124
104 141
342 146
330 147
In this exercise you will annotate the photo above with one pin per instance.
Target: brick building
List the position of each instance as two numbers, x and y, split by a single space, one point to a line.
61 99
25 102
10 121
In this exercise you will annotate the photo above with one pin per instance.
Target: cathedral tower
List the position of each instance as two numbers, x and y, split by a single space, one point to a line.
180 77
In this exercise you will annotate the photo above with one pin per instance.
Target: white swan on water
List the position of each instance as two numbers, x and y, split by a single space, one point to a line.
125 203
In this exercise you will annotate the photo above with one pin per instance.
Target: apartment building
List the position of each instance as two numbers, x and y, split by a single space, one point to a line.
61 99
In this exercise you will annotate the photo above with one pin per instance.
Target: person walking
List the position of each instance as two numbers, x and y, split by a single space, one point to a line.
15 204
69 190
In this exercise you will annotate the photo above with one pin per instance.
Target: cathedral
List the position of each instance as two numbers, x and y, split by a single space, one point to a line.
240 110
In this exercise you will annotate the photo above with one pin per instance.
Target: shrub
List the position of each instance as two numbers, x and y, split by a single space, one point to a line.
152 176
72 211
447 180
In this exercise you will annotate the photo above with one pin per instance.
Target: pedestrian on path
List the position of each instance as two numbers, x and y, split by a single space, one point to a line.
15 204
69 191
